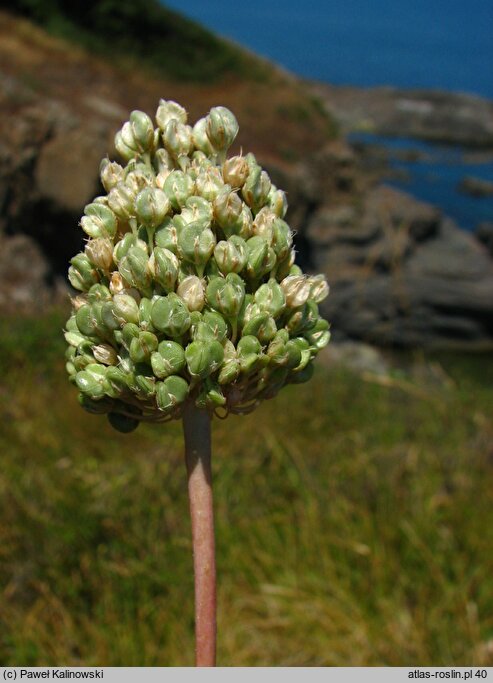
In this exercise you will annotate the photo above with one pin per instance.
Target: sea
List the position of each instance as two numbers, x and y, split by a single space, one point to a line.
437 44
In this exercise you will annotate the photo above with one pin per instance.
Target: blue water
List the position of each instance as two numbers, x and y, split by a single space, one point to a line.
443 44
410 43
435 177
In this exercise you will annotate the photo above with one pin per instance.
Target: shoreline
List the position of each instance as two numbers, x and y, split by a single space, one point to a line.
435 116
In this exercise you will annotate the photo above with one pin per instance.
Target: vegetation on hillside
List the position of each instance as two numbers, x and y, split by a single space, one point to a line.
142 31
351 522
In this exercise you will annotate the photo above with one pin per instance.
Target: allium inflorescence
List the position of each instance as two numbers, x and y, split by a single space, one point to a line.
189 290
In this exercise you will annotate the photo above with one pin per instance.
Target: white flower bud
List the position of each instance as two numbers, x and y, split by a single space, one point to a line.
191 290
169 110
106 354
296 289
235 171
100 252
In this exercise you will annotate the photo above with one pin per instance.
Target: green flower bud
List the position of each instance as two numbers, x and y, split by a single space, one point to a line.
129 331
127 153
111 173
196 244
319 289
261 326
166 235
145 387
296 289
228 212
92 381
284 354
319 335
171 392
105 354
226 294
137 177
261 258
116 382
270 298
211 326
164 266
209 183
121 202
235 171
142 347
200 139
99 251
168 111
97 294
123 423
246 230
177 138
138 133
197 210
191 290
178 187
249 354
256 188
134 268
122 247
169 359
230 368
151 206
99 221
304 348
81 274
125 309
203 357
221 128
85 320
170 315
231 255
302 319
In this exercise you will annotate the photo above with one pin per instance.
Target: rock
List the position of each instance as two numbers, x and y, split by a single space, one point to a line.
475 187
484 233
67 168
456 118
356 356
23 274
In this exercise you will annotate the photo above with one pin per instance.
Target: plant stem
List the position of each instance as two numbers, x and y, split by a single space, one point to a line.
197 431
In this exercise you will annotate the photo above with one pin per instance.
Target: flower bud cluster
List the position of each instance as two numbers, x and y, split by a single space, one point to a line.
188 290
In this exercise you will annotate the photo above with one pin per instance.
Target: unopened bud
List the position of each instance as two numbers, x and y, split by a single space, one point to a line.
191 290
231 255
100 252
170 315
169 359
200 139
228 212
178 187
203 357
111 173
168 111
235 171
151 206
99 221
226 294
221 127
171 392
296 289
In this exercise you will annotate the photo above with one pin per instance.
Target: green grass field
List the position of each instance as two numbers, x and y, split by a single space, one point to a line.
354 523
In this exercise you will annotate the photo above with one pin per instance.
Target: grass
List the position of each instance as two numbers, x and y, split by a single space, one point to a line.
352 523
144 33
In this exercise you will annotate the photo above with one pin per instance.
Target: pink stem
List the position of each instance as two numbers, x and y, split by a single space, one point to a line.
197 431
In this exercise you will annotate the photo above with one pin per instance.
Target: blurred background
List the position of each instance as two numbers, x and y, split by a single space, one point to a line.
352 512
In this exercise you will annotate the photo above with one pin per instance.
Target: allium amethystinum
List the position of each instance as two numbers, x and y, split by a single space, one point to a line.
188 286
